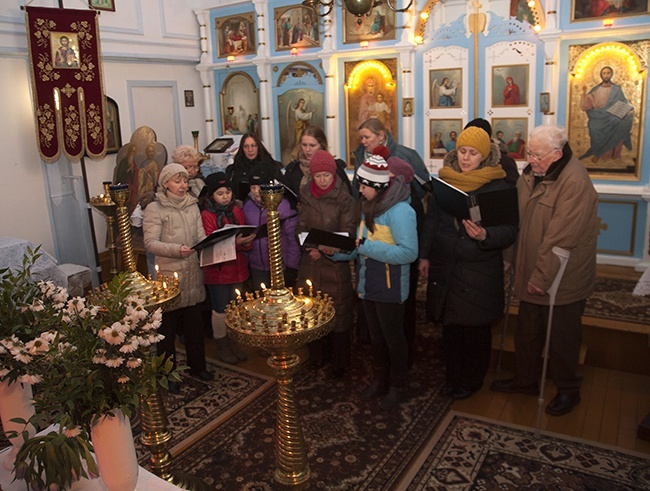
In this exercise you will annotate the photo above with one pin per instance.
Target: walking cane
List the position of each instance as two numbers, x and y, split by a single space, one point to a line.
507 317
563 256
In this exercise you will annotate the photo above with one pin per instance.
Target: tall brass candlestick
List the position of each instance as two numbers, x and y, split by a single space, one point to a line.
281 322
108 208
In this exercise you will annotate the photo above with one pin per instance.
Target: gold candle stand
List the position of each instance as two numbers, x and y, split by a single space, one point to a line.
281 322
105 205
163 293
195 137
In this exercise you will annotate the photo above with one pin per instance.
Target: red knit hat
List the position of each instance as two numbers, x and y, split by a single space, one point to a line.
322 161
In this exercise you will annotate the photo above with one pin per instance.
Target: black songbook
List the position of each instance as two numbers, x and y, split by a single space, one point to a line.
223 233
499 207
317 237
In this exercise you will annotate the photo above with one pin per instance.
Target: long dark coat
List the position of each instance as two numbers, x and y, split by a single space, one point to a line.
465 276
333 212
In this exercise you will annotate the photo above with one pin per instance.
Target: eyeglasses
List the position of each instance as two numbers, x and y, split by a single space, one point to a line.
537 158
250 146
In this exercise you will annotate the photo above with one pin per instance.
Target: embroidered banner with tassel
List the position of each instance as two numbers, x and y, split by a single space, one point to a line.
67 82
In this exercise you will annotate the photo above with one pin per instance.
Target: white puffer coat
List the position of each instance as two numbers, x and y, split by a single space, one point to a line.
167 226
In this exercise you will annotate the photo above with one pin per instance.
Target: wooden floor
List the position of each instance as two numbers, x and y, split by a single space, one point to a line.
613 402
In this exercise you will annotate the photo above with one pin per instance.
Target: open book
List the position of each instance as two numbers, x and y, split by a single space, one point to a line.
620 109
219 246
490 208
223 233
336 240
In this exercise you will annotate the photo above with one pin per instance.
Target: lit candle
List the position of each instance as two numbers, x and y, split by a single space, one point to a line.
262 286
176 276
165 285
157 268
311 287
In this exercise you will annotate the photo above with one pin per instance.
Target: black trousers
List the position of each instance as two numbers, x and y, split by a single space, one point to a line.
564 348
467 351
190 320
389 347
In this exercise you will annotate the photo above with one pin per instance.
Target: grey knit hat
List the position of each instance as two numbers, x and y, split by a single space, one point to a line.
169 171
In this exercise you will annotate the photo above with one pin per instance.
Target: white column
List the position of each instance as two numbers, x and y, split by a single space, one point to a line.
263 50
268 130
407 137
331 105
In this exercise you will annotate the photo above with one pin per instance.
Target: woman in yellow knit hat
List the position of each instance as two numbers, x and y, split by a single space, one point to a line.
464 264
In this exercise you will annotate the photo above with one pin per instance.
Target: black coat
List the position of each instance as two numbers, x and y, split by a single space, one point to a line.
465 276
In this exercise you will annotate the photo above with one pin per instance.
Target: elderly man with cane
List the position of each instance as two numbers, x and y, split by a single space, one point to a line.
557 209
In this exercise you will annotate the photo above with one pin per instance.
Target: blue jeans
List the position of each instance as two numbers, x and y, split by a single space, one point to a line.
221 295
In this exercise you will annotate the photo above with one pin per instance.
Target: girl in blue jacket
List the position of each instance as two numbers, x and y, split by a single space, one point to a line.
386 246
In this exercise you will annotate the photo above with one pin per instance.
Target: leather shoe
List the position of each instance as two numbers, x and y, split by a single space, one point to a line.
510 387
375 389
563 403
392 399
173 388
202 375
447 390
459 393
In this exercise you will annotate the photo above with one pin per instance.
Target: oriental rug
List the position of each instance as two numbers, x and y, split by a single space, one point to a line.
203 405
351 444
469 452
612 299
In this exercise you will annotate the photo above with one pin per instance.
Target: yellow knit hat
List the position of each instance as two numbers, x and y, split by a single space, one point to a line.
474 137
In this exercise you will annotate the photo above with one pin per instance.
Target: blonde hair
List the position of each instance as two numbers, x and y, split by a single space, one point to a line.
185 153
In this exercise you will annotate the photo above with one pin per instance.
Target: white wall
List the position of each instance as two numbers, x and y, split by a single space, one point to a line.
148 44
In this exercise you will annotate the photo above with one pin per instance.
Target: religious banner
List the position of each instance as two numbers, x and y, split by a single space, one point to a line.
67 83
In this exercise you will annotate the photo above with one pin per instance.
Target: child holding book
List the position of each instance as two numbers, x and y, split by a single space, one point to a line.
219 209
386 246
256 214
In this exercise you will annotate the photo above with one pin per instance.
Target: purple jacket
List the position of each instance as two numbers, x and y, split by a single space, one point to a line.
258 257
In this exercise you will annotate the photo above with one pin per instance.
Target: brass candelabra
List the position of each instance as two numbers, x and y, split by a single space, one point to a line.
162 292
105 205
195 137
280 321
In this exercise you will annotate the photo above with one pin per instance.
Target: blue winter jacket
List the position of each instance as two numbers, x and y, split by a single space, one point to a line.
384 257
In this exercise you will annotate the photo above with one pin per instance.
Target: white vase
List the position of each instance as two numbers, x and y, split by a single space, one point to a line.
15 402
115 451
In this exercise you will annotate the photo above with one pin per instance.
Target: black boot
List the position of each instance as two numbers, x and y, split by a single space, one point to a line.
378 387
394 397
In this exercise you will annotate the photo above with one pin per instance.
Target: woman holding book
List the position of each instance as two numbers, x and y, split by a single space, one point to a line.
326 204
172 225
222 279
464 264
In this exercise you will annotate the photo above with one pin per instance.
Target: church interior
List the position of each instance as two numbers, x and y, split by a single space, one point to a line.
203 72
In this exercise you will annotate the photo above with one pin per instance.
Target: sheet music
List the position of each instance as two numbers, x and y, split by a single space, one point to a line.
219 252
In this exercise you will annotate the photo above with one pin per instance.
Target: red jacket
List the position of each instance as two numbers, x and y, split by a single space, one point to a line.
235 271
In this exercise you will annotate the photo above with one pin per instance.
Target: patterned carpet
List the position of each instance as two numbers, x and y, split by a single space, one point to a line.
203 405
612 299
468 452
352 444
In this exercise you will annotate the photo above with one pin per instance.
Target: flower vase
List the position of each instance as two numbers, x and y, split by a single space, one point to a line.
15 402
112 440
